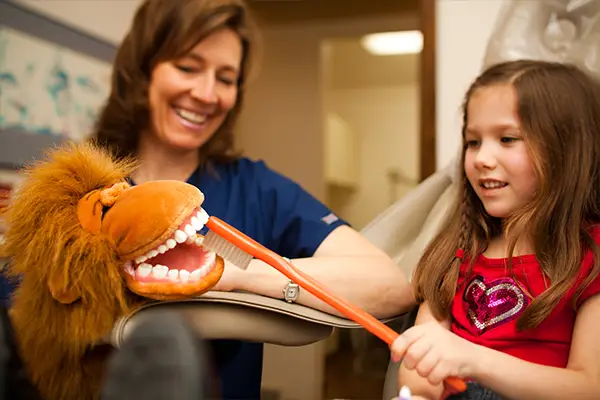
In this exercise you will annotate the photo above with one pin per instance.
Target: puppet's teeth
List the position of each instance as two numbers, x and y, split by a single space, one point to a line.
190 239
209 260
140 259
144 270
197 274
202 216
196 224
180 236
189 230
129 268
199 240
173 274
160 271
184 275
162 249
171 243
152 253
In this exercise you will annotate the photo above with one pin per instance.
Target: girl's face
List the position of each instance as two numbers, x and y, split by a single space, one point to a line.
497 162
190 97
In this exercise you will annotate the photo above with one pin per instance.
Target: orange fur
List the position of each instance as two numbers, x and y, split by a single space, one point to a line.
72 225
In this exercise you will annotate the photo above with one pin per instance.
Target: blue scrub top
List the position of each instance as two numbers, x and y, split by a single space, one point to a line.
274 211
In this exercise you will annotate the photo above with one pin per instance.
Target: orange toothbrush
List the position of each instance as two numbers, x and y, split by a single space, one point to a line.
239 249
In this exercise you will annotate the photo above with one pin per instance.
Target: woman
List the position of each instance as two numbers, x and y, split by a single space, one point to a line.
177 89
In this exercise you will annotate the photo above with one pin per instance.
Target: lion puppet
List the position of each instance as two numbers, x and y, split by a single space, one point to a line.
88 248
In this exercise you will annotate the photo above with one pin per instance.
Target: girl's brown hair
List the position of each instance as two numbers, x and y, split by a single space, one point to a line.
165 30
559 110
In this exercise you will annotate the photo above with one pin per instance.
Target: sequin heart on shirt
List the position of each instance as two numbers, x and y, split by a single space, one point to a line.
495 303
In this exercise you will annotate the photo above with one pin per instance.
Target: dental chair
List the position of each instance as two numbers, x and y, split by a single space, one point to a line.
402 231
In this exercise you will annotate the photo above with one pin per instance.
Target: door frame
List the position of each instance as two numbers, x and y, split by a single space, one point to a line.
427 90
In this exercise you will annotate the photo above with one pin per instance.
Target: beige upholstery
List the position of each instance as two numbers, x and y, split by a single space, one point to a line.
405 228
435 214
402 231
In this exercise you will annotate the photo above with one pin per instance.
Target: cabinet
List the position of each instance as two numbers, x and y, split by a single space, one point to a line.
341 152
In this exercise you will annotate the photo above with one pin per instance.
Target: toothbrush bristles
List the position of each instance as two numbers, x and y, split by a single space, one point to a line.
227 250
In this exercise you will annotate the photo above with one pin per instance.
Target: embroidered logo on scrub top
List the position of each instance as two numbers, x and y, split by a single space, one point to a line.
491 304
330 218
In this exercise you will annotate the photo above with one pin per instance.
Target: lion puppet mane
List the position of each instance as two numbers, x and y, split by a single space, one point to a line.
88 248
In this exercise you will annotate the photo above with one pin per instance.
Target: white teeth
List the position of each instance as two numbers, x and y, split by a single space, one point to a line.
202 216
189 230
180 236
144 270
191 116
129 268
196 224
210 259
493 185
140 259
184 276
197 274
186 234
173 274
160 271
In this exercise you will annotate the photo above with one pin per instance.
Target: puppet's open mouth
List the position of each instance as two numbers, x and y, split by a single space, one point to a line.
181 259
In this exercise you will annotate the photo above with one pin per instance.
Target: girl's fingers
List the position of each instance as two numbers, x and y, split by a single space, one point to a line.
428 362
438 373
404 341
415 353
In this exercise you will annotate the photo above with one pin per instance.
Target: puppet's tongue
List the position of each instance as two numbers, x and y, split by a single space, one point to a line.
183 257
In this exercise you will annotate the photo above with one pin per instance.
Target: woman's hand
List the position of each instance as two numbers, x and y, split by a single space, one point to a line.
435 353
229 279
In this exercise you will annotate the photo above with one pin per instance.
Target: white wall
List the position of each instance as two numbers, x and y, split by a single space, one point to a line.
463 29
283 117
386 121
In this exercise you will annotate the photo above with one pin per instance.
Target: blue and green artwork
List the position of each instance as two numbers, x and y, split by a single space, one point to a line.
47 89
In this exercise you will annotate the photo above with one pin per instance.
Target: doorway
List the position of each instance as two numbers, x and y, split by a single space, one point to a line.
379 144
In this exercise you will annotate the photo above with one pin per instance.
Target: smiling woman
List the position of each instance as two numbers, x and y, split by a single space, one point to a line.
179 79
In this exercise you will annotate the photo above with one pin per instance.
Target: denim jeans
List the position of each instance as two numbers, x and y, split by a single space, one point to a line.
475 392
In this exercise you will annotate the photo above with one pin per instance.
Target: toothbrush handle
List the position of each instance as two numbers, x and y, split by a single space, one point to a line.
255 249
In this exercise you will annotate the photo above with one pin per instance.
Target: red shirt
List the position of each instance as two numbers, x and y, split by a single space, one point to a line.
486 308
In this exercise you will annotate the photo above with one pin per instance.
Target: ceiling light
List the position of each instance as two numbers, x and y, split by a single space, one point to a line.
389 43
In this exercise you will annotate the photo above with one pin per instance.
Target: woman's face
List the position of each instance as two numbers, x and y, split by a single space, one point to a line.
191 96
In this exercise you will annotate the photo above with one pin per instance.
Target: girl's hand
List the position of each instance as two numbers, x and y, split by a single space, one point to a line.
435 352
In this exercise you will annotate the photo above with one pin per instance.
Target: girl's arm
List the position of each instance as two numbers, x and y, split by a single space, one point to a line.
418 385
513 378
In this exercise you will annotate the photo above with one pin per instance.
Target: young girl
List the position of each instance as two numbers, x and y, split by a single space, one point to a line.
508 290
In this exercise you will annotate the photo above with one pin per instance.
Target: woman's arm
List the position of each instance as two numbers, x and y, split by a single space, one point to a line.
345 262
411 378
516 379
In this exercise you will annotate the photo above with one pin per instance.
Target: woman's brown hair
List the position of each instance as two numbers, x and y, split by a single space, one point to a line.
165 30
559 110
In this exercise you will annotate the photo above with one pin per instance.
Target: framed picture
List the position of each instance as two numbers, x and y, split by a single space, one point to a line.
53 81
